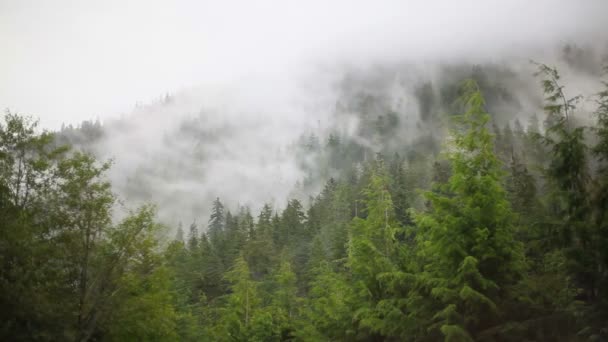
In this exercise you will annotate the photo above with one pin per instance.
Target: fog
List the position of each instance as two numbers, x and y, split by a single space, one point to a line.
245 80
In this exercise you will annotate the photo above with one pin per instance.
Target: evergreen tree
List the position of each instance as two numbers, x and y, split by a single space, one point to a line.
329 313
505 242
569 176
179 234
193 238
285 302
292 224
522 190
372 249
600 212
217 223
335 232
467 240
399 190
259 250
241 304
212 270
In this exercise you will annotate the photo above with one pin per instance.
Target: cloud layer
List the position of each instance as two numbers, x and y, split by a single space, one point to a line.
247 78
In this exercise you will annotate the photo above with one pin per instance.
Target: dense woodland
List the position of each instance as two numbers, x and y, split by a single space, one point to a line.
495 233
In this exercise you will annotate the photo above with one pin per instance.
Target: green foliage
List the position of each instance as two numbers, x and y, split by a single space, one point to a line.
243 318
330 308
466 240
500 238
260 250
67 270
142 304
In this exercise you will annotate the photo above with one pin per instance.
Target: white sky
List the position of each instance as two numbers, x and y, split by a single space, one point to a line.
67 61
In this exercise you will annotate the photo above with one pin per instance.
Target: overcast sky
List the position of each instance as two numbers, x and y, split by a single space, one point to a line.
67 61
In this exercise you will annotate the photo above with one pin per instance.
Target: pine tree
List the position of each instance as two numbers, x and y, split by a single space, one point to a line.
522 190
235 235
329 313
295 238
246 225
570 178
372 250
264 225
217 223
466 239
285 302
259 250
335 234
212 270
242 303
399 190
193 238
292 224
599 217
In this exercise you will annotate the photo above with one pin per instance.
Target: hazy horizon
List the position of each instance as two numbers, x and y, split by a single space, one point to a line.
69 61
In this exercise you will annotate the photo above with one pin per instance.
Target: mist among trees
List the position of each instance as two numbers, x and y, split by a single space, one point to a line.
479 228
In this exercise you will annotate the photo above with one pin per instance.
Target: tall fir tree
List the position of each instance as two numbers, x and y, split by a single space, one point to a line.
466 239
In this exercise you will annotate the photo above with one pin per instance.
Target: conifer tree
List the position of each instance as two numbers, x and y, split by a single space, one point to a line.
599 215
179 234
242 303
259 250
569 176
372 249
399 190
466 239
285 302
212 270
217 223
329 311
193 236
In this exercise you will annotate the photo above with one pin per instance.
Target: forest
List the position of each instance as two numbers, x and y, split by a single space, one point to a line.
493 231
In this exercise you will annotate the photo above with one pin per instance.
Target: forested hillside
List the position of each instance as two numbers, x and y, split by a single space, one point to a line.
477 227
